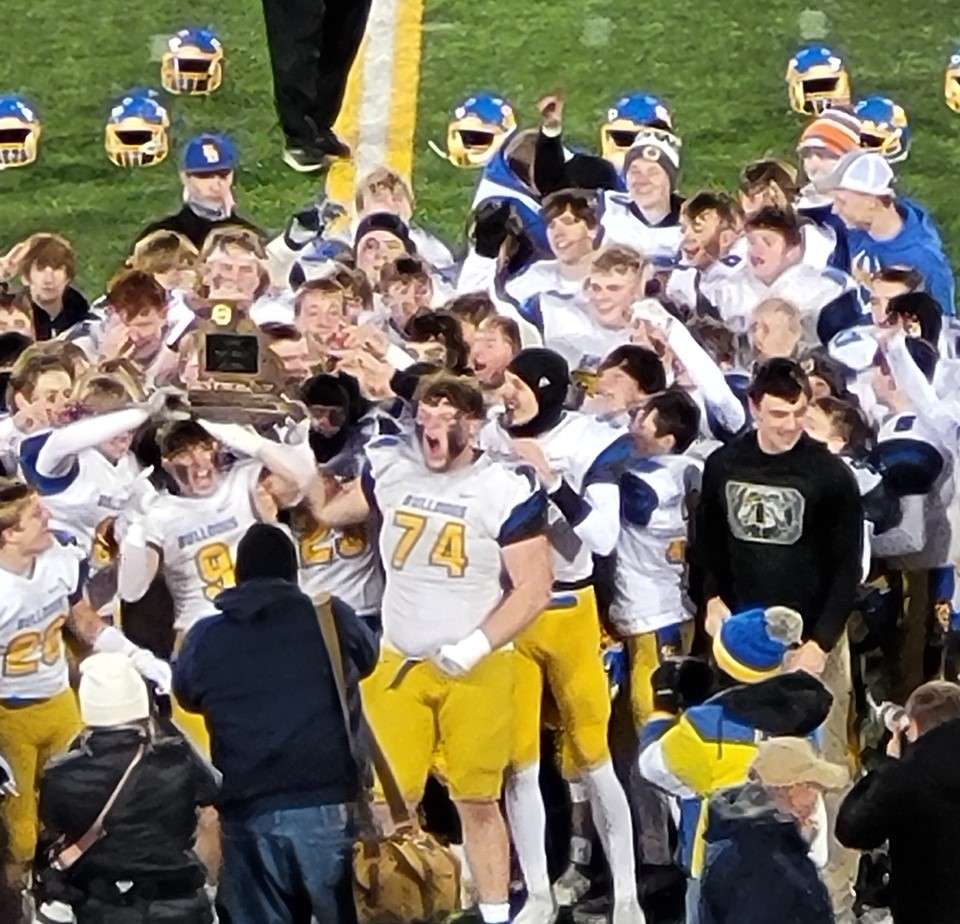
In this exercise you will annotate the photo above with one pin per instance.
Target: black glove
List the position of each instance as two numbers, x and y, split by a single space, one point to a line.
310 223
492 225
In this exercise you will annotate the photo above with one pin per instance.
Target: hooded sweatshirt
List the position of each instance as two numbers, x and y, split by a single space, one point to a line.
260 676
759 871
712 745
914 803
918 245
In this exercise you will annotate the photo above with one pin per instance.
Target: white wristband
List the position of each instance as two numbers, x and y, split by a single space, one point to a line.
474 648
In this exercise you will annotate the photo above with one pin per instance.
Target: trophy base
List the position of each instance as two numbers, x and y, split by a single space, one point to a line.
244 407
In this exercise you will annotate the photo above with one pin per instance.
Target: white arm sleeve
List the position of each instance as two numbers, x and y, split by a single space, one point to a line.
58 452
288 462
708 377
138 564
600 529
908 376
477 274
280 261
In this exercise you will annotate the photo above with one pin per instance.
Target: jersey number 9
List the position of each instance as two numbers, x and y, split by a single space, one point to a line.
216 569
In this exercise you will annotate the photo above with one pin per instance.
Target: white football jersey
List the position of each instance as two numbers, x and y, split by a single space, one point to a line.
441 541
585 450
568 328
342 563
33 611
198 538
623 223
810 289
86 501
651 550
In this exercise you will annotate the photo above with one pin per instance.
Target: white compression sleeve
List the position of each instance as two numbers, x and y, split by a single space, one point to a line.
708 377
528 827
611 818
57 453
138 564
600 529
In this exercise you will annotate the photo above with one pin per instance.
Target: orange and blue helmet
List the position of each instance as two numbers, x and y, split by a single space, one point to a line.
20 131
138 130
192 65
817 78
480 126
884 127
627 117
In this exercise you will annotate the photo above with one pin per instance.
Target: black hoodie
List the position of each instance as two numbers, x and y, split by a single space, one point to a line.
914 803
260 676
758 871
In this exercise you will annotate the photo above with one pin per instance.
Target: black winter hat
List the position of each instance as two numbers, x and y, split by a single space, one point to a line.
266 551
547 375
385 221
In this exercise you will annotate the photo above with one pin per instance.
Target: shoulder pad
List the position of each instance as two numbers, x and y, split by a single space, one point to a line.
907 466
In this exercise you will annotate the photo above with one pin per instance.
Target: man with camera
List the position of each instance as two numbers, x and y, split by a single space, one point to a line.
913 801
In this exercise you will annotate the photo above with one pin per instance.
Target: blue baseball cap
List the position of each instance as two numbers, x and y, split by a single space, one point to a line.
209 153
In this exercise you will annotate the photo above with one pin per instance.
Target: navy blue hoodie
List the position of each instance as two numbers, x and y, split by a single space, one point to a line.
260 676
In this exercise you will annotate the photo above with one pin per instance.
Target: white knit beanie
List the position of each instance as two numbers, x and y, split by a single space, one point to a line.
111 691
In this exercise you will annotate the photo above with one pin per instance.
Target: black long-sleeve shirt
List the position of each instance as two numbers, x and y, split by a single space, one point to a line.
782 529
552 170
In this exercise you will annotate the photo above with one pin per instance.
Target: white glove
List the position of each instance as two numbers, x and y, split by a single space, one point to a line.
150 667
8 784
463 656
142 492
113 640
244 440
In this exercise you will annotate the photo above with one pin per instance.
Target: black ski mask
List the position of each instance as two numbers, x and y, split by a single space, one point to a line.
340 394
547 375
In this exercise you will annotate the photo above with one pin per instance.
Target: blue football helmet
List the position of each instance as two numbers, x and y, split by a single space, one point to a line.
630 115
816 79
138 130
193 63
479 127
20 132
884 127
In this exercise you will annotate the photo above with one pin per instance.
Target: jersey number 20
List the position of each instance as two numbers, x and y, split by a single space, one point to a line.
27 651
449 551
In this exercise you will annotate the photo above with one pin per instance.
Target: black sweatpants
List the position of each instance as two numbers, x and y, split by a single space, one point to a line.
195 910
312 46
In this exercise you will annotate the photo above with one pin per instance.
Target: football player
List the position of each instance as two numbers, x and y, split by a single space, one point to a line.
86 473
711 224
648 608
647 216
453 521
192 535
42 592
575 457
775 268
585 328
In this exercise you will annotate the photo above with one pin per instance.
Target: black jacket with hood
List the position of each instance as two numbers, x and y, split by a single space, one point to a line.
259 674
914 803
759 871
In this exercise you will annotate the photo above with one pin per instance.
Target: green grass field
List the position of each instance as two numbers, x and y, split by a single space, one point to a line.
719 62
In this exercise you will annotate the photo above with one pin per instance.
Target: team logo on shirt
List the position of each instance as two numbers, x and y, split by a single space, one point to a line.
764 513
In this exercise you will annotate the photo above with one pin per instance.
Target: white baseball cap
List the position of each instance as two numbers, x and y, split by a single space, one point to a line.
863 172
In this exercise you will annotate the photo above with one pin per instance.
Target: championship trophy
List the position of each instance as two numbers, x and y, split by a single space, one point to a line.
238 380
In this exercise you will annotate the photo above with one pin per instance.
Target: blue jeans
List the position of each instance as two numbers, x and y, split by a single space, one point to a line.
285 866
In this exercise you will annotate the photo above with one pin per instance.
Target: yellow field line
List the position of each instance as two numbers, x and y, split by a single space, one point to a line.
404 93
341 178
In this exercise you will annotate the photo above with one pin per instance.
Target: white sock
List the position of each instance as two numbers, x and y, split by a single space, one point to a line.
495 914
528 827
611 818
